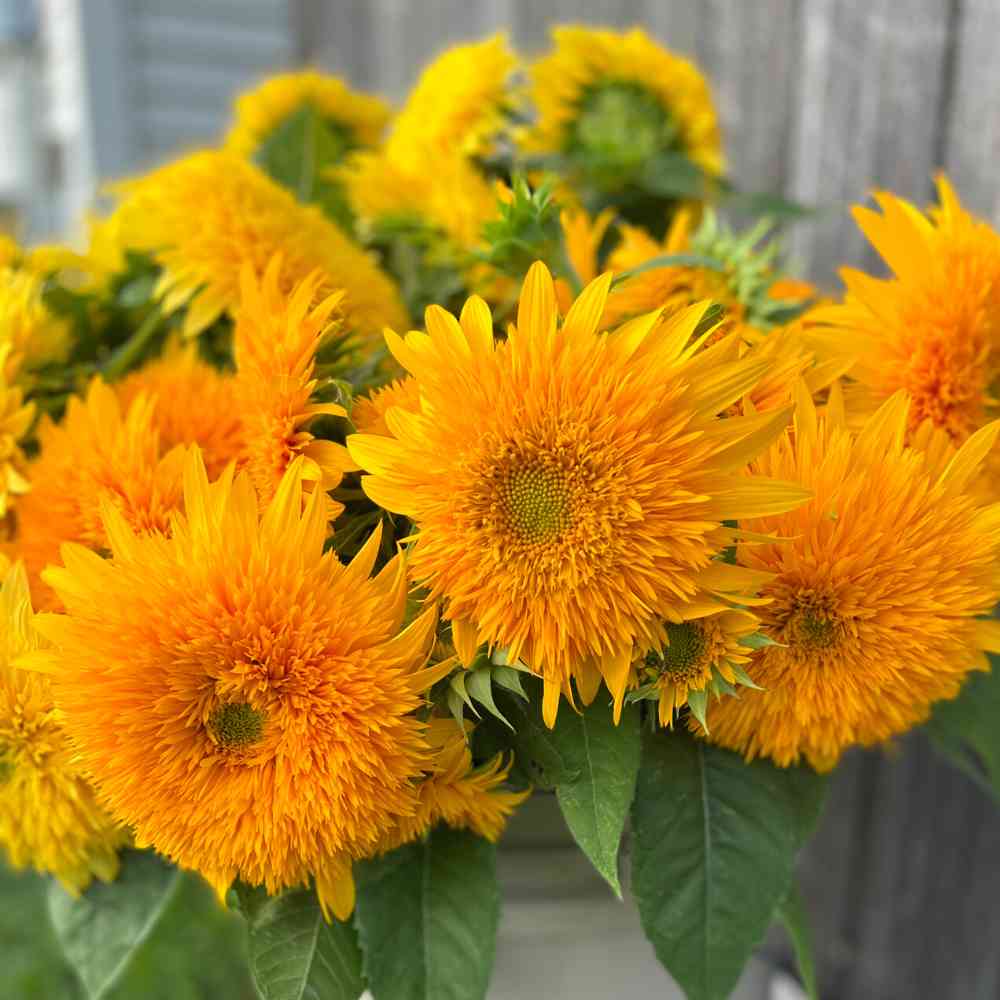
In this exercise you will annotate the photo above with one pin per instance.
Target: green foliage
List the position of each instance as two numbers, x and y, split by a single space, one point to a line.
299 155
527 229
101 931
792 914
474 687
605 761
714 847
967 729
428 915
195 952
295 954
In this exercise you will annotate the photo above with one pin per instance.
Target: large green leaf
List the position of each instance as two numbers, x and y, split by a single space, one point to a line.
791 912
714 845
295 954
967 729
101 931
604 762
428 915
299 152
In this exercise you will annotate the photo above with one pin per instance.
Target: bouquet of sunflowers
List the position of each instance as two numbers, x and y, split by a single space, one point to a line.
308 604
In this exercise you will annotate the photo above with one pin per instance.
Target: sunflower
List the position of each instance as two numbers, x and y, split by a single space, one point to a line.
30 334
457 793
205 216
195 403
568 489
882 591
611 102
49 817
353 119
276 340
99 454
459 103
933 328
16 418
242 699
369 413
698 658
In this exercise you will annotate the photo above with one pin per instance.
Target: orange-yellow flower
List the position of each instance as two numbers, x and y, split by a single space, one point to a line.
49 815
933 327
567 488
98 454
244 701
208 215
369 413
276 340
195 403
882 589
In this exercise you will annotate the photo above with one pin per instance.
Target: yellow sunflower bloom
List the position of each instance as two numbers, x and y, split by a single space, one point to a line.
458 104
49 816
369 413
356 119
206 216
99 454
29 333
621 98
276 340
16 418
691 659
242 700
882 589
568 489
456 793
933 328
195 403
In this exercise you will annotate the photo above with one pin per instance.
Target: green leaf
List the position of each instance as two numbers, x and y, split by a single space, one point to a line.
297 155
596 799
967 731
480 687
428 915
509 678
101 931
295 954
792 914
714 845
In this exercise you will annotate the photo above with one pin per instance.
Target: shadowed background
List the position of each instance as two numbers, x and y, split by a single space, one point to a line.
820 100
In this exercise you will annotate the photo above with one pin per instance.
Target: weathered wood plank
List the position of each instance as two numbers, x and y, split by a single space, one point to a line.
870 87
972 128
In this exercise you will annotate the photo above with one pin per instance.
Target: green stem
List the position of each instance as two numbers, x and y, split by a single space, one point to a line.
132 350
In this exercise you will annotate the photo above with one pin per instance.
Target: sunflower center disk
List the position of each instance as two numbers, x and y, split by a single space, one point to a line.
537 502
682 658
813 629
236 725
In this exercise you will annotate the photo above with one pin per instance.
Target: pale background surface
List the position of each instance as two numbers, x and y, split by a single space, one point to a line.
820 99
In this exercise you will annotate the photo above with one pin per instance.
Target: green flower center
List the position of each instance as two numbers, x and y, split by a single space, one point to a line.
682 658
236 725
536 499
813 629
618 128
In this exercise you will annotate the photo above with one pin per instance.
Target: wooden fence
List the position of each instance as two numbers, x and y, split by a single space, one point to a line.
820 100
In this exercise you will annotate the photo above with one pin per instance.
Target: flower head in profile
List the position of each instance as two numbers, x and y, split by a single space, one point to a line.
882 587
30 334
99 453
457 793
568 489
369 413
459 103
697 660
194 403
16 418
49 816
208 215
611 102
276 340
354 119
933 327
244 701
